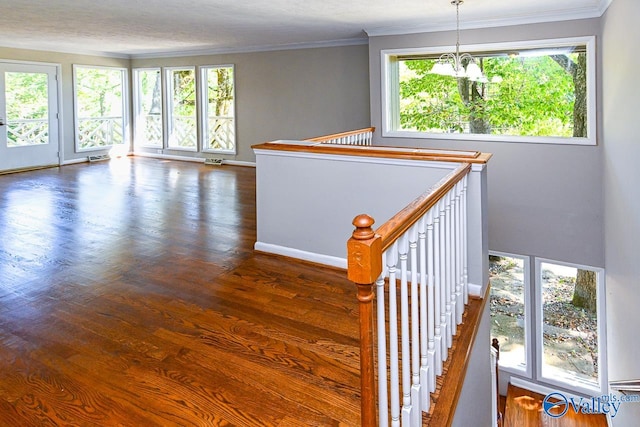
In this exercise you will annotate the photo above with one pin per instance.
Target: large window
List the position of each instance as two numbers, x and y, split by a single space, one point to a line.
196 110
529 92
182 110
218 109
100 104
549 327
148 107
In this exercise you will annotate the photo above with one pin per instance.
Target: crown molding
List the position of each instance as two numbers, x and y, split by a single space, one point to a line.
101 54
193 52
252 49
595 11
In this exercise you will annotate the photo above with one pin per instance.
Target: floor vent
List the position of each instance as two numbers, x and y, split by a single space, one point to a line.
98 158
213 161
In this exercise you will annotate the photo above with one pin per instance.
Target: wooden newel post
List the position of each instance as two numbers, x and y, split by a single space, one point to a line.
364 265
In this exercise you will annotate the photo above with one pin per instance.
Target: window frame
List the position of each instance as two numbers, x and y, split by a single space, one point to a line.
390 92
527 370
578 386
204 109
168 108
136 107
126 140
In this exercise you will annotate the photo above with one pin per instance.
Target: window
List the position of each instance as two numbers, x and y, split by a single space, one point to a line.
198 113
181 108
27 105
218 109
549 328
100 105
532 92
148 107
570 305
510 311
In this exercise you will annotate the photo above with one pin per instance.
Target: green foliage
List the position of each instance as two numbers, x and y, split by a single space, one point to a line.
184 93
535 98
220 91
99 92
26 95
100 106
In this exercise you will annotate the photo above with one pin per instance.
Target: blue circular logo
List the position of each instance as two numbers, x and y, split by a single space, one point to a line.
555 405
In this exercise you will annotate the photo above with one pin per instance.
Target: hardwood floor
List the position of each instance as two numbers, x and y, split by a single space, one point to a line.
130 295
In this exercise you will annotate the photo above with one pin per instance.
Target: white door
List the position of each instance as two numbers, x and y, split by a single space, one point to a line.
28 116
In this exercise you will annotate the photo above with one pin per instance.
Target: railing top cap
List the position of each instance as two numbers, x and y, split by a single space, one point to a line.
376 151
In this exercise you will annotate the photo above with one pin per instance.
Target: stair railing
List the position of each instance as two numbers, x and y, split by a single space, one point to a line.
421 255
354 137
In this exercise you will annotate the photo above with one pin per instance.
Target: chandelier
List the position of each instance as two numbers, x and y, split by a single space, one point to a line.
452 64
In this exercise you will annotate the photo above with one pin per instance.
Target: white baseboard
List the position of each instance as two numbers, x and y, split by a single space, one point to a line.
75 161
475 290
191 159
303 255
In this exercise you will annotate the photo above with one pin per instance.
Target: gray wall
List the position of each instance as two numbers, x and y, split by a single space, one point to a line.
291 94
621 103
544 200
66 61
474 405
296 194
284 94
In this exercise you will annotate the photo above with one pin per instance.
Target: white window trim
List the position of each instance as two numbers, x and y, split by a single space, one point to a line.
136 106
126 140
204 109
528 369
168 104
389 92
577 386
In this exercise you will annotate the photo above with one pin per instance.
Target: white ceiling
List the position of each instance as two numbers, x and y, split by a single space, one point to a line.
151 27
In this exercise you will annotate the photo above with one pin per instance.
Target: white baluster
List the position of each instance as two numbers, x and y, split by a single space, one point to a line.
403 248
448 279
394 374
416 411
465 272
494 387
383 398
426 365
443 286
431 306
437 330
458 251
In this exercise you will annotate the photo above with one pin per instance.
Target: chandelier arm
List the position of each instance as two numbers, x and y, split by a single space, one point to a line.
451 64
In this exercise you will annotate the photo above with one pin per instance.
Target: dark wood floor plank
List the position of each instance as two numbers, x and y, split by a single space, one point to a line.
130 295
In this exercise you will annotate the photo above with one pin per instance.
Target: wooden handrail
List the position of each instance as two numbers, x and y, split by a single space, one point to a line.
341 134
364 266
403 220
405 153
